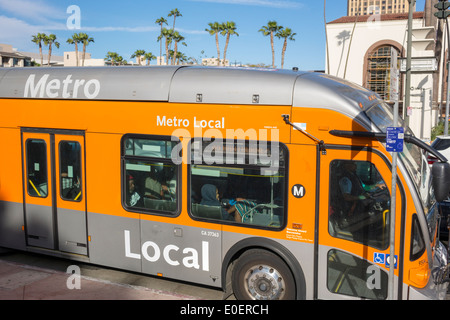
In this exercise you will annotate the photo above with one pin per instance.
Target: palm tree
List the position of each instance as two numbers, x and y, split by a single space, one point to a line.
38 40
112 57
85 39
181 57
138 54
49 41
270 29
121 61
75 40
229 29
167 34
286 34
160 21
176 38
175 13
215 29
149 57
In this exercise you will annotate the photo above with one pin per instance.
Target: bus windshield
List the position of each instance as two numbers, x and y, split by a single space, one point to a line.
414 159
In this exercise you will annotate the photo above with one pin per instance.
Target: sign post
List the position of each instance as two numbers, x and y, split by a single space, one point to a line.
394 144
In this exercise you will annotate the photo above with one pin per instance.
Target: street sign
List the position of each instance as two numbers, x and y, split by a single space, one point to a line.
394 139
420 65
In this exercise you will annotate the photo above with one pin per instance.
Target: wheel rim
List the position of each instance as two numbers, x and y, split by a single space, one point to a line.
263 282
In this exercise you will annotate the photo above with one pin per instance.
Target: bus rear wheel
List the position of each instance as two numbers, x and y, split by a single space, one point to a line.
262 275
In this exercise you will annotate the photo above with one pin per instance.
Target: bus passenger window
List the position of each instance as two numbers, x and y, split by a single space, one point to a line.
232 182
359 203
70 170
37 168
353 276
150 176
417 241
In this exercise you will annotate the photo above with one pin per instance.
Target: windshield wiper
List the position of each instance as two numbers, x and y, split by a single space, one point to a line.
382 136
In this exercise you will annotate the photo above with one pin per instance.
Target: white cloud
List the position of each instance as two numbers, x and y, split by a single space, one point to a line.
36 10
124 29
286 4
136 29
18 32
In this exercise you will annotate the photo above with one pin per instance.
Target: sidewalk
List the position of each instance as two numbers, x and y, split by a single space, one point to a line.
21 282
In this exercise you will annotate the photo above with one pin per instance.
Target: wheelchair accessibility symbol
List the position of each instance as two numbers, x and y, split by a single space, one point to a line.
379 258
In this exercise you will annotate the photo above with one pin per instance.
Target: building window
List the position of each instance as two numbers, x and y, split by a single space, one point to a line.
378 71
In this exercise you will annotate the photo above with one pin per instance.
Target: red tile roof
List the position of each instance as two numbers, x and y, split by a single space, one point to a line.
383 17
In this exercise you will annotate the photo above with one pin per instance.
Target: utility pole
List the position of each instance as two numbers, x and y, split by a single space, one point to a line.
443 13
407 102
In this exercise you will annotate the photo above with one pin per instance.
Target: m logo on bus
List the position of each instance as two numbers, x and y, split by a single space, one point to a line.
65 89
298 191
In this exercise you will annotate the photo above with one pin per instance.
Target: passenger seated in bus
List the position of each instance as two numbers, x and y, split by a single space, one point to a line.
234 209
133 199
210 197
153 188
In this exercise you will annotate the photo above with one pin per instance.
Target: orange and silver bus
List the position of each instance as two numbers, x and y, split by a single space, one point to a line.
266 184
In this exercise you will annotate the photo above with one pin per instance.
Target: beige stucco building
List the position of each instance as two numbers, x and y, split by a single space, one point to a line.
359 50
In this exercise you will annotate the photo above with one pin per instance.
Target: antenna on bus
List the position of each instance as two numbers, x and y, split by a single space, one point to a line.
321 143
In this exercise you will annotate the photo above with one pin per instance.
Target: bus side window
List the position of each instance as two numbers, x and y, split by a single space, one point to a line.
229 183
417 241
359 203
70 170
353 276
37 168
149 175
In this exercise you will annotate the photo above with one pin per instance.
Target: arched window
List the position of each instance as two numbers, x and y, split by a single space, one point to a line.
379 71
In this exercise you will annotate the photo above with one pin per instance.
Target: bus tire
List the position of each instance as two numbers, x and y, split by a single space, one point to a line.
262 275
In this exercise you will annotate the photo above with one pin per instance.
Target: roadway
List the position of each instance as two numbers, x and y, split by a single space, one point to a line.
28 276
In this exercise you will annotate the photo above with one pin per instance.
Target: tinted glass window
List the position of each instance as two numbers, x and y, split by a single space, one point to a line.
70 170
37 168
241 182
150 178
442 144
352 276
359 203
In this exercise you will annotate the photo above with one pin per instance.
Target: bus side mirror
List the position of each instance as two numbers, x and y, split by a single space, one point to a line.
441 180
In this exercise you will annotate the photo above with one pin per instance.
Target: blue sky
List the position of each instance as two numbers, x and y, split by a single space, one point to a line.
125 27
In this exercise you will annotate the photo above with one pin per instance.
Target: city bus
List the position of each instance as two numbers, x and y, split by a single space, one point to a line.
267 184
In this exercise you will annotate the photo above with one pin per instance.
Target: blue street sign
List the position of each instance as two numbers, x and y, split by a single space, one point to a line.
394 139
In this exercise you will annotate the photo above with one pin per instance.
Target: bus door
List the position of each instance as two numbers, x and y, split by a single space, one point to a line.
54 185
353 241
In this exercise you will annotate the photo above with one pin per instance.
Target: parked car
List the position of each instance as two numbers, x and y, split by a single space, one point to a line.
441 144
